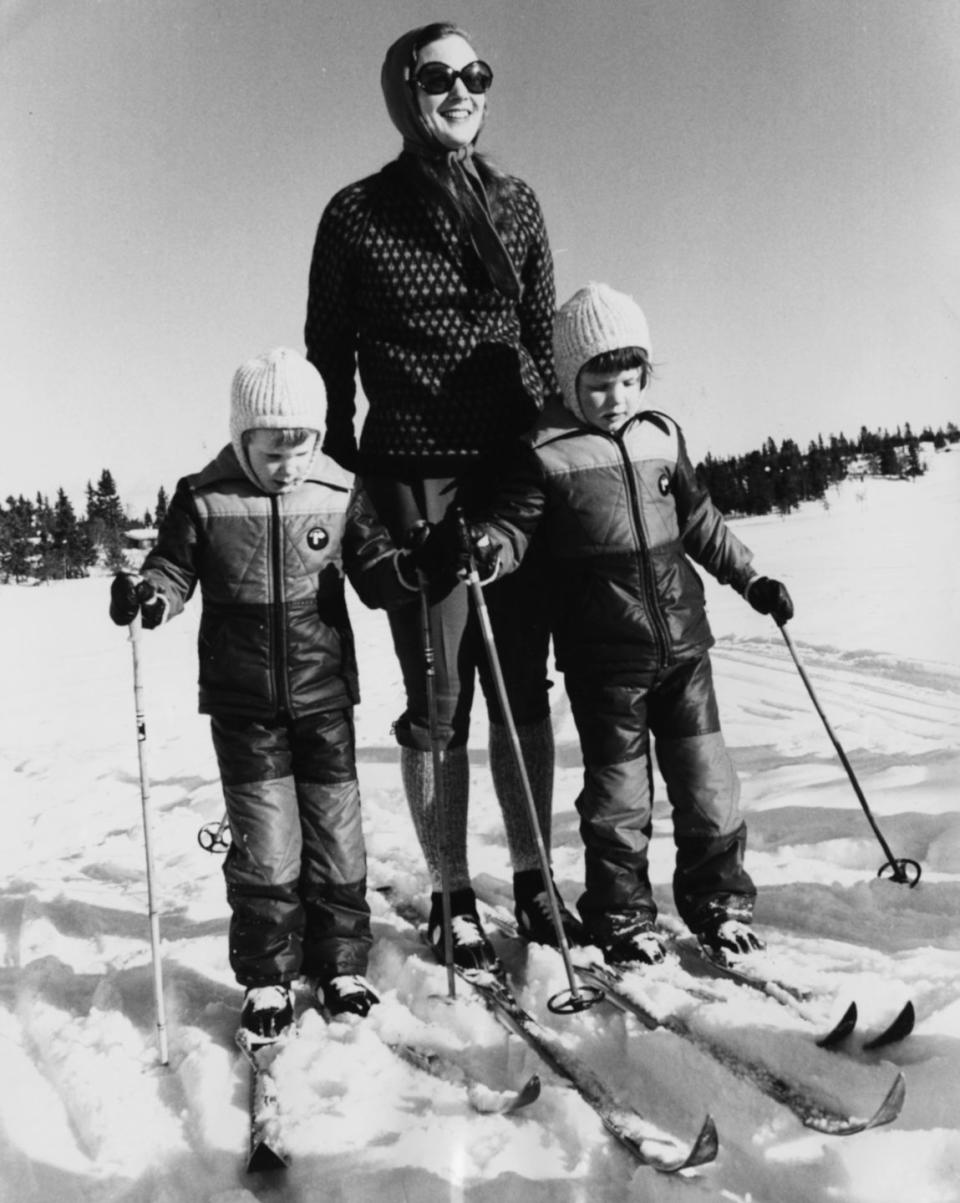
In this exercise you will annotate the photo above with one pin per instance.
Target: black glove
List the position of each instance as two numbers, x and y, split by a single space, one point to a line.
452 547
131 595
768 596
432 548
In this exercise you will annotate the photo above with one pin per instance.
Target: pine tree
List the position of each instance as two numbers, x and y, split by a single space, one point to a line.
757 472
106 521
889 462
15 536
161 507
109 507
71 551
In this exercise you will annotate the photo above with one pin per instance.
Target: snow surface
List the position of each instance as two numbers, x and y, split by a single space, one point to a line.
87 1114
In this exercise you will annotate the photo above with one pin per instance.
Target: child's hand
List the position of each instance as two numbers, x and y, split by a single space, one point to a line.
768 596
131 595
483 554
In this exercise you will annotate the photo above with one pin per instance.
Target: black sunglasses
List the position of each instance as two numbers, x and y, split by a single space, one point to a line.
437 78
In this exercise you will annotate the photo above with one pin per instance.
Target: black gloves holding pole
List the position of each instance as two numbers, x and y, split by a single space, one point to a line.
446 548
131 595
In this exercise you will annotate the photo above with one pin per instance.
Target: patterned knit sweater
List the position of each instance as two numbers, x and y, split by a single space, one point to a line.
451 369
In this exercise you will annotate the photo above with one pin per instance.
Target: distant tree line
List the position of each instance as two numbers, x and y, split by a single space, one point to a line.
779 478
41 541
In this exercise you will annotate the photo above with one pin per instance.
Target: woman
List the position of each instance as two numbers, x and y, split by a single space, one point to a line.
434 279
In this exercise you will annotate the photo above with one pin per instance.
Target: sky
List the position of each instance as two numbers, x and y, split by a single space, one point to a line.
775 183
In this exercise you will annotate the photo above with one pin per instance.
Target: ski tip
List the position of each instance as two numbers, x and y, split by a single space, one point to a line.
703 1150
886 1113
264 1158
528 1093
899 1029
841 1029
892 1105
707 1144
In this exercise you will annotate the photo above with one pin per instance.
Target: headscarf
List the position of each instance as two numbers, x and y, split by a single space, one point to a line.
404 111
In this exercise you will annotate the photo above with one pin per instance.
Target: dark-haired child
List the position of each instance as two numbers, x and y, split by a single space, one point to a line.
619 513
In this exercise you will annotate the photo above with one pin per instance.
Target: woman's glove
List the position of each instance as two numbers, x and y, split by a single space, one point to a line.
131 595
768 596
452 547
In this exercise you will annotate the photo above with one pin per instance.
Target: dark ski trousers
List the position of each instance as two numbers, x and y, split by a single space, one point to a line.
296 867
518 617
615 722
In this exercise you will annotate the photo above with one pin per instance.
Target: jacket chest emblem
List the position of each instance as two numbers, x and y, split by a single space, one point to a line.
663 483
317 538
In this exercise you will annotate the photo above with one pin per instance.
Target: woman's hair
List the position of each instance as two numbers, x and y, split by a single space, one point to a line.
435 174
621 359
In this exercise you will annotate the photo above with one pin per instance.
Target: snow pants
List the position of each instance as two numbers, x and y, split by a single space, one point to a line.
615 722
296 867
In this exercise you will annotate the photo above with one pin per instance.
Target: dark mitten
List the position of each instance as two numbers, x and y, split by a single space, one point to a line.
431 549
768 596
131 595
124 598
153 605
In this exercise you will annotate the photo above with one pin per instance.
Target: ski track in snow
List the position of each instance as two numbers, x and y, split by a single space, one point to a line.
87 1114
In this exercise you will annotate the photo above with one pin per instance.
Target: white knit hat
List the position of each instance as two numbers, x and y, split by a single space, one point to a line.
276 390
595 319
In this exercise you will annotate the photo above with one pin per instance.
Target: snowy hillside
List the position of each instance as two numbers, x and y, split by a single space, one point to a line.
87 1114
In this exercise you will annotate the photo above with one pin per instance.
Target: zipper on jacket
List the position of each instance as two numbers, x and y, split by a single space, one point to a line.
647 575
277 616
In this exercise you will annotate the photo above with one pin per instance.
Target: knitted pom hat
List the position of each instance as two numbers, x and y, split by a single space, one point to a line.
594 320
278 389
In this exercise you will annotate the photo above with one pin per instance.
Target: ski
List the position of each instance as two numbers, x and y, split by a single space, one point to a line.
898 1029
483 1099
627 1126
633 1132
812 1110
698 964
697 961
266 1152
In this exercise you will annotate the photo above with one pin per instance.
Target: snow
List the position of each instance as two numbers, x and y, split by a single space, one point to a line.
87 1113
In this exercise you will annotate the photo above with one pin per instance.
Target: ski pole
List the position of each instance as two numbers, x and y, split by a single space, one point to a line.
148 846
577 997
418 532
898 867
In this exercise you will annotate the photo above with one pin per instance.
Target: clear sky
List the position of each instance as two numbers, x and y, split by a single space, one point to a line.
776 181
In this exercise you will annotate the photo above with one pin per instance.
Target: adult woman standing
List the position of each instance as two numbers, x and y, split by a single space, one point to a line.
434 279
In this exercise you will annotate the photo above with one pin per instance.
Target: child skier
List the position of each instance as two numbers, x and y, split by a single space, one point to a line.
620 513
267 529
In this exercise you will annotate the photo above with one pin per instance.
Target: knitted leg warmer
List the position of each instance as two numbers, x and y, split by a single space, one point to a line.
536 744
416 768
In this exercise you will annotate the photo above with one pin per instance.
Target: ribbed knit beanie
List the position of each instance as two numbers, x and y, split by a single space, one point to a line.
275 390
595 319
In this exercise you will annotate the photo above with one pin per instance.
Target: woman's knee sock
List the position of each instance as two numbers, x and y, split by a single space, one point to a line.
536 744
418 781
